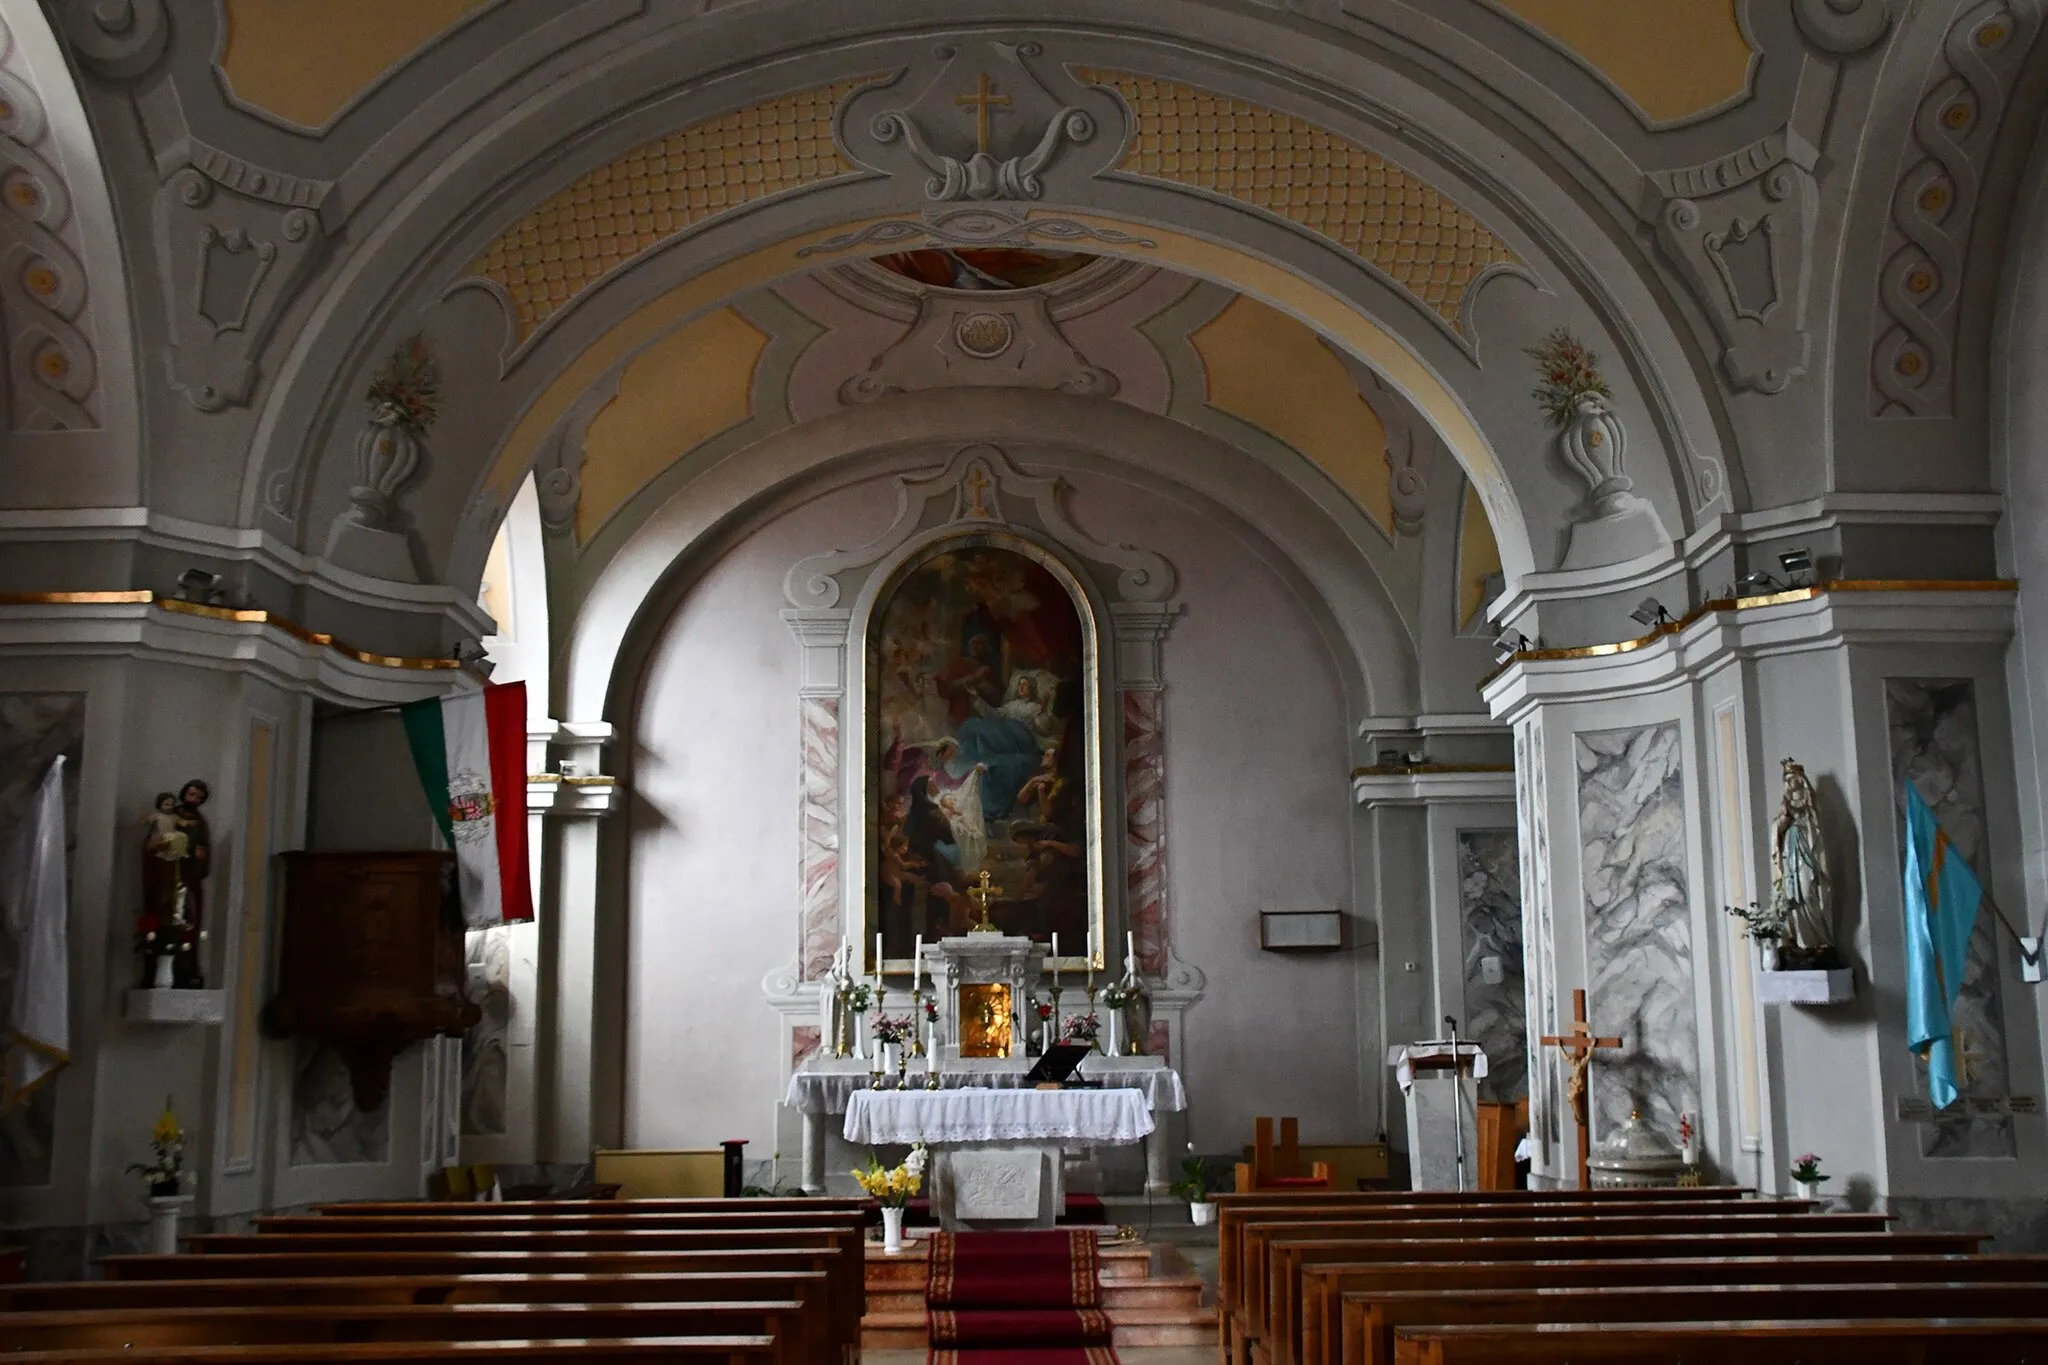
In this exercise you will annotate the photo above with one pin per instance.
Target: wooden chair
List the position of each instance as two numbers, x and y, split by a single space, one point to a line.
1279 1168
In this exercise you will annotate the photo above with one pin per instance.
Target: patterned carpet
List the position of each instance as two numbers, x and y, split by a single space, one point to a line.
1017 1298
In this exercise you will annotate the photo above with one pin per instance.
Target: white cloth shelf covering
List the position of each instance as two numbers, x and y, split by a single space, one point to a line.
1084 1118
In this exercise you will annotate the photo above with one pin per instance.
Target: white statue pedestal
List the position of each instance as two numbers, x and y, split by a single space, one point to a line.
1443 1112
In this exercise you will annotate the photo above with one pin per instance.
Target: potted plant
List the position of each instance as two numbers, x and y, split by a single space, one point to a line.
1193 1186
894 1188
1765 926
164 1179
1806 1176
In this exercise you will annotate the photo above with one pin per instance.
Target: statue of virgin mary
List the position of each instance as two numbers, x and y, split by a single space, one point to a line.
1801 891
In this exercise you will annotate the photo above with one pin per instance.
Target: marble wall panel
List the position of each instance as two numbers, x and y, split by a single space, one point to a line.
1145 825
1533 822
327 1128
486 1048
819 927
1639 955
1932 727
35 728
1490 906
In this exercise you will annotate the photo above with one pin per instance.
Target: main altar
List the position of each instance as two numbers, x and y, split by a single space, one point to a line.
973 1078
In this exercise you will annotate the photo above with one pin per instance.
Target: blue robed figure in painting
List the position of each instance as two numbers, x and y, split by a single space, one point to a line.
1008 742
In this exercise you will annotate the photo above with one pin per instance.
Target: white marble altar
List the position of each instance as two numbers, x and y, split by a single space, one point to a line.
997 1154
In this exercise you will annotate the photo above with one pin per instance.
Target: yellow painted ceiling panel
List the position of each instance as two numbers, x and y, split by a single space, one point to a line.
1478 556
675 395
1671 58
304 60
1275 373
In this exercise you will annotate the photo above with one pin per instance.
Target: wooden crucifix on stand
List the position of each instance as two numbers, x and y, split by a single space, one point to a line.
1578 1047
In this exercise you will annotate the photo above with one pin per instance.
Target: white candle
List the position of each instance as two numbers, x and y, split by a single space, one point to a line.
1130 951
931 1048
1055 957
878 960
917 965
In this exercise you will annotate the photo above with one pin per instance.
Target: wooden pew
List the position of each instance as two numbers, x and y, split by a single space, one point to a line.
275 1324
848 1294
1324 1287
415 1208
1239 1211
1274 1254
749 1350
1444 1244
1370 1319
1232 1209
1886 1341
809 1286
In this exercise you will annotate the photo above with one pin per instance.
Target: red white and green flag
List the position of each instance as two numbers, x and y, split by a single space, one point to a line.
471 754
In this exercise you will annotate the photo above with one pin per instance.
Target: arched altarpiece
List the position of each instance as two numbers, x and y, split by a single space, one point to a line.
1126 595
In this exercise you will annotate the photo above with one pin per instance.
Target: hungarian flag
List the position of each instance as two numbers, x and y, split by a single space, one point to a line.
471 754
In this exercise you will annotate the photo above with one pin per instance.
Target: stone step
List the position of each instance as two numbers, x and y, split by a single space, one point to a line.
1180 1292
904 1330
1124 1261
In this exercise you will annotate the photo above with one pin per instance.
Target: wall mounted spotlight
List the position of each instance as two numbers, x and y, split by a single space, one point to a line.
1650 612
1795 563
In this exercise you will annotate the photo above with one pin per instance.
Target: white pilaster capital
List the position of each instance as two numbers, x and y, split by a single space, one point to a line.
822 634
1140 629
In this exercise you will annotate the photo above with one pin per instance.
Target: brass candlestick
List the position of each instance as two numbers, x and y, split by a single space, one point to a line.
917 1023
842 1045
1054 1035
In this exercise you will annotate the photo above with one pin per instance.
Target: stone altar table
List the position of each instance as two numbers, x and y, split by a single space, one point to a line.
823 1086
996 1154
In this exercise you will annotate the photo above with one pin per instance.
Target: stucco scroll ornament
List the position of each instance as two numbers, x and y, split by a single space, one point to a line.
234 243
1740 230
1842 27
51 366
979 485
117 39
1617 525
983 128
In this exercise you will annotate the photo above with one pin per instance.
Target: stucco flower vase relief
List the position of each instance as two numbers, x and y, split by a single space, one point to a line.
980 692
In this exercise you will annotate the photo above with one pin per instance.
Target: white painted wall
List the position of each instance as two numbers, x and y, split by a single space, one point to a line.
1257 808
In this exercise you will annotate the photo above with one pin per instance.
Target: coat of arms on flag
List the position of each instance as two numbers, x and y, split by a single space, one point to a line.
470 751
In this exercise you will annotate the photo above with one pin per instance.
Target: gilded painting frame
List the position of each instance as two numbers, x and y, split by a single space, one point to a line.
865 869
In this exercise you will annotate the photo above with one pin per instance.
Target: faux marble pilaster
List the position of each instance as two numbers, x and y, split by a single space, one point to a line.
1538 927
1932 725
1638 925
1145 825
819 926
1490 908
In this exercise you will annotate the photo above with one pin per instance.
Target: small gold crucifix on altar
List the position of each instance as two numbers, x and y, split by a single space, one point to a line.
982 101
1578 1046
982 892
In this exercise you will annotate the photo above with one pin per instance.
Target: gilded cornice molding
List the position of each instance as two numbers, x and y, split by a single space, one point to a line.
239 615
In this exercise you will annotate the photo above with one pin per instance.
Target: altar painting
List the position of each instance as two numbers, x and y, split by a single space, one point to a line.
979 700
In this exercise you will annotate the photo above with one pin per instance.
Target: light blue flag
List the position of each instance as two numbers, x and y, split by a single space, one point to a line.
1942 895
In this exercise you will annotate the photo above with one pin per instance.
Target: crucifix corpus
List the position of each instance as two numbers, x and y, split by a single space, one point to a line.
1578 1047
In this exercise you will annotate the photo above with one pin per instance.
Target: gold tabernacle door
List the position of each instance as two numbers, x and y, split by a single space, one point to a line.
985 1019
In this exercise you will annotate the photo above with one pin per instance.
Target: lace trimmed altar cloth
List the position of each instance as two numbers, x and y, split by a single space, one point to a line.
1077 1118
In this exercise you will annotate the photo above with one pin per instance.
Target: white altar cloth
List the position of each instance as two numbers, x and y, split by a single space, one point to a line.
820 1091
1083 1118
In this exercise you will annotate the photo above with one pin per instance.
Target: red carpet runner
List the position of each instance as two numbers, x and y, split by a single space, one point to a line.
1017 1298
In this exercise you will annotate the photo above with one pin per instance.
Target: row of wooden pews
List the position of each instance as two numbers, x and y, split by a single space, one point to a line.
736 1282
1571 1277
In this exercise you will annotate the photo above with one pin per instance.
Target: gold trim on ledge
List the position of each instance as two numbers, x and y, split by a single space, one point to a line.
249 616
1769 599
575 780
1431 769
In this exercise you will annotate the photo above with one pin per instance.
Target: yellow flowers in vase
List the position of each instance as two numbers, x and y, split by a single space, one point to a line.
894 1188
